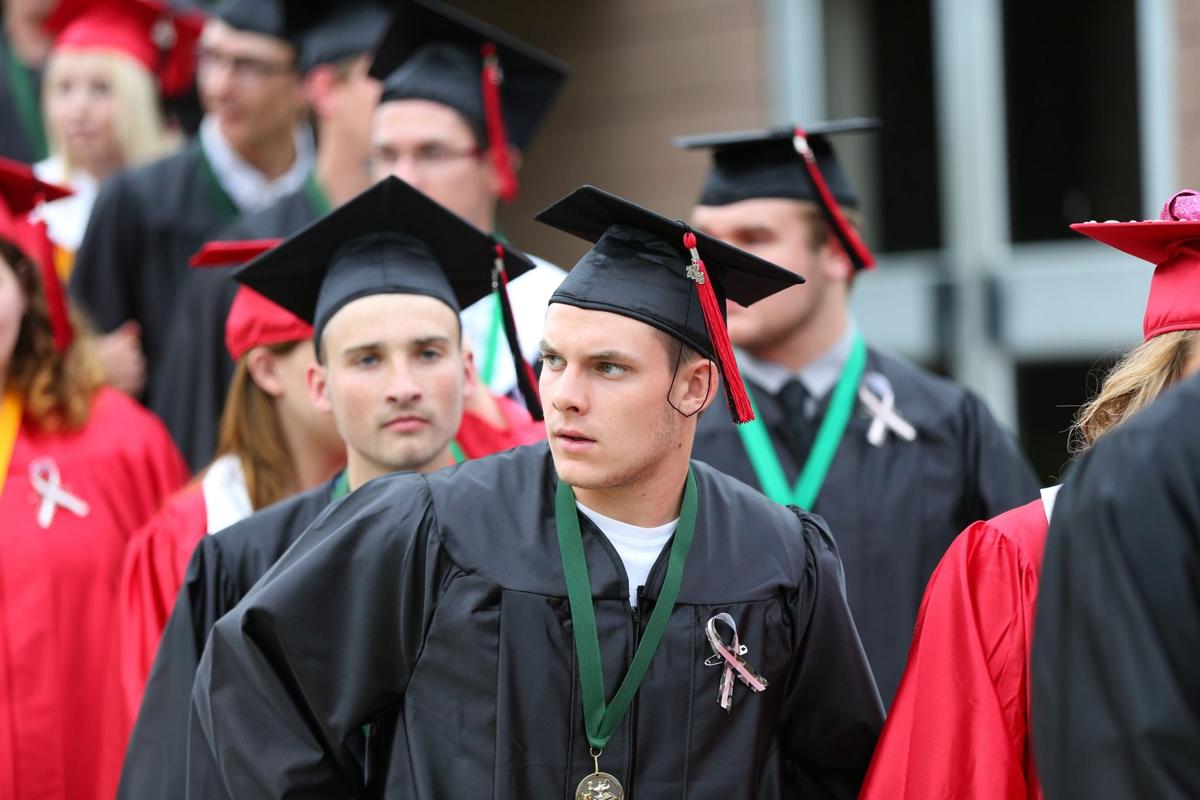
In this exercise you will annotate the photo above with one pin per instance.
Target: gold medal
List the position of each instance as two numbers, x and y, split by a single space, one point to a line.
599 785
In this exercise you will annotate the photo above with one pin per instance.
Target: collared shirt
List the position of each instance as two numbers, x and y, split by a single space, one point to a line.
67 219
818 377
246 186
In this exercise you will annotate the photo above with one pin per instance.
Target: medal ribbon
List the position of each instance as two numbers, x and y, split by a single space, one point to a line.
316 196
495 330
25 88
765 461
601 719
10 426
222 203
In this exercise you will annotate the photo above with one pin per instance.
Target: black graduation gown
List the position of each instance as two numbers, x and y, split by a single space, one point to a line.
223 568
145 226
1116 687
439 600
894 509
21 136
200 369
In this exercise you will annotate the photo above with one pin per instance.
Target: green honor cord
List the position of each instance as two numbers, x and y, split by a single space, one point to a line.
495 330
600 719
24 87
341 487
316 196
765 461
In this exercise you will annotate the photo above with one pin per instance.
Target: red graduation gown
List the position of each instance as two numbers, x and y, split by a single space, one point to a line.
155 563
959 726
478 438
60 726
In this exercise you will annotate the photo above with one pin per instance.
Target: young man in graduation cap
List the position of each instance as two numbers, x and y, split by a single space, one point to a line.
460 611
1114 676
333 46
895 459
382 280
461 102
251 150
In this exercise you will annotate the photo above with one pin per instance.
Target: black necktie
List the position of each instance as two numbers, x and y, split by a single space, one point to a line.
795 400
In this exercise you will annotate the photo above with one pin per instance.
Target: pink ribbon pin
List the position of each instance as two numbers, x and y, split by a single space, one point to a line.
730 657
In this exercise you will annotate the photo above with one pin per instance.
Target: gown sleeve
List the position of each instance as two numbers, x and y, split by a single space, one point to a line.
154 568
831 713
1116 702
104 278
1001 476
322 646
958 726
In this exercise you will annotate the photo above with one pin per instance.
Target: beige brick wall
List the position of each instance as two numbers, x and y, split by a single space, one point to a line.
641 72
1187 14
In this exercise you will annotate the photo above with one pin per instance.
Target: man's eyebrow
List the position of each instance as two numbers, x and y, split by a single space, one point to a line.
422 341
610 355
545 347
357 348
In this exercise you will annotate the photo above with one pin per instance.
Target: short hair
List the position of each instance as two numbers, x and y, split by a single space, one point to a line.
818 227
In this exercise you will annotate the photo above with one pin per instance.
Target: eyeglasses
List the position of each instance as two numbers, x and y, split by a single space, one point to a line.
242 68
426 158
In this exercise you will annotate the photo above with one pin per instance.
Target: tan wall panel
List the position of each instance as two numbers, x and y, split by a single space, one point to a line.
642 71
1187 14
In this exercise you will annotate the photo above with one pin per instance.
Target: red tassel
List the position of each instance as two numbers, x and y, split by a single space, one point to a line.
735 390
526 380
56 299
855 248
493 77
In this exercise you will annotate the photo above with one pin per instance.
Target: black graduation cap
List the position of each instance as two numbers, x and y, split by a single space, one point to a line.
391 239
501 85
264 17
325 32
657 270
797 163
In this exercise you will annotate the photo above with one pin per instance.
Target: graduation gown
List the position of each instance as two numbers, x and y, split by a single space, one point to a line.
221 570
60 726
439 601
144 227
22 137
200 369
960 723
896 508
1116 689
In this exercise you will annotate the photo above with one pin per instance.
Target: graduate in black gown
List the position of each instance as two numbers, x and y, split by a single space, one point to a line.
1116 689
147 222
896 459
484 616
24 46
382 279
333 50
455 123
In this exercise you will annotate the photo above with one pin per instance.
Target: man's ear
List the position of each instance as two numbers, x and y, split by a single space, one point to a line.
697 383
318 388
263 367
514 160
835 263
471 381
319 84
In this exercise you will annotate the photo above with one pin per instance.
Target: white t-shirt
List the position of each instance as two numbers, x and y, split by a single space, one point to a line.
638 547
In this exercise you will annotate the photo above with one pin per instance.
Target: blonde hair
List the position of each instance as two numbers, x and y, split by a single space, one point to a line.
141 130
251 430
56 388
1137 379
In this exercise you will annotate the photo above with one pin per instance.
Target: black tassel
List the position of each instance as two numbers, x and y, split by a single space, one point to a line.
526 380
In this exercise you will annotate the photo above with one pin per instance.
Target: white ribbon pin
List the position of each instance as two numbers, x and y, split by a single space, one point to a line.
43 474
877 395
730 658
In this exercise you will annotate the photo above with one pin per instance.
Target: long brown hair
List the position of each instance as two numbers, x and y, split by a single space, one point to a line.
56 388
251 430
1133 383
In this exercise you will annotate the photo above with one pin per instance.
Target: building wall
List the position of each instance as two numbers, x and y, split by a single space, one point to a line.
642 72
1187 16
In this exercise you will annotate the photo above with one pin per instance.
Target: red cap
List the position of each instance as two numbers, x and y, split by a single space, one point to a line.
1172 244
253 321
22 192
161 39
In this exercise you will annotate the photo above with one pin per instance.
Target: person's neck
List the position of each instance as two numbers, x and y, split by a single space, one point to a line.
272 158
341 171
650 502
810 341
360 470
29 43
101 169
